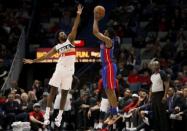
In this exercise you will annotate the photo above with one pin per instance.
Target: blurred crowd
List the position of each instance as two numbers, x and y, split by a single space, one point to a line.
14 16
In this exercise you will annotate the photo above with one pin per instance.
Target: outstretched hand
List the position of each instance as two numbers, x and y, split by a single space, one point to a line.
79 9
28 61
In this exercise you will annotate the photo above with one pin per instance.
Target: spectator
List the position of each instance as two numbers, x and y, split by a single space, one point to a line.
13 112
133 81
84 89
126 99
83 106
183 110
173 102
31 100
24 102
2 114
37 89
37 118
145 80
43 101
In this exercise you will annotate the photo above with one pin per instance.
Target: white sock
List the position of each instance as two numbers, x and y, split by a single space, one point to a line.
100 125
95 125
47 111
65 124
127 124
117 109
60 113
132 125
114 126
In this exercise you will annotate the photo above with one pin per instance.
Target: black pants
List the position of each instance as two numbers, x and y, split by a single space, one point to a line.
160 122
36 126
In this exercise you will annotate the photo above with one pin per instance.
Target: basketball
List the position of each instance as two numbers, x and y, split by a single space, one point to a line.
100 11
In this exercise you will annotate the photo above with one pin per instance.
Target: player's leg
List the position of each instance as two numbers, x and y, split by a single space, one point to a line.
65 87
111 87
113 100
111 97
111 84
58 119
114 106
54 83
52 94
51 97
63 99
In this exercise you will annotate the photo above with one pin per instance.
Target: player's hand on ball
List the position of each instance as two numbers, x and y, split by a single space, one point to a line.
79 9
97 17
28 61
99 12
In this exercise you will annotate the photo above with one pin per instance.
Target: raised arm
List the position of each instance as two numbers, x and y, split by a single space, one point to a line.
49 54
98 34
73 32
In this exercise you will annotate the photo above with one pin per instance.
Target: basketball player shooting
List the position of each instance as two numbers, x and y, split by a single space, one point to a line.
63 75
109 67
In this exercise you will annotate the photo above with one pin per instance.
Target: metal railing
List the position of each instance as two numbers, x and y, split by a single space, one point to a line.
17 64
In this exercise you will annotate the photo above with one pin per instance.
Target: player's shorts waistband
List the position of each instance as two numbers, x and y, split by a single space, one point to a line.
69 54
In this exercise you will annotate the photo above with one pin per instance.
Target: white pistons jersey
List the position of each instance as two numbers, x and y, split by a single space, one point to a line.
67 53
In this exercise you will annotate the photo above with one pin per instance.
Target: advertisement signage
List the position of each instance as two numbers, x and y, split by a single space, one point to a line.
82 55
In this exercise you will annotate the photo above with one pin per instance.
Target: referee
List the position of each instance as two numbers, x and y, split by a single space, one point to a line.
158 95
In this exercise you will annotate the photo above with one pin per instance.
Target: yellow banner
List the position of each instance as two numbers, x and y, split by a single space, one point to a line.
82 55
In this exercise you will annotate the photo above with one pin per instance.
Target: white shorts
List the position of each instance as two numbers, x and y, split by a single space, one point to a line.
105 105
62 77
